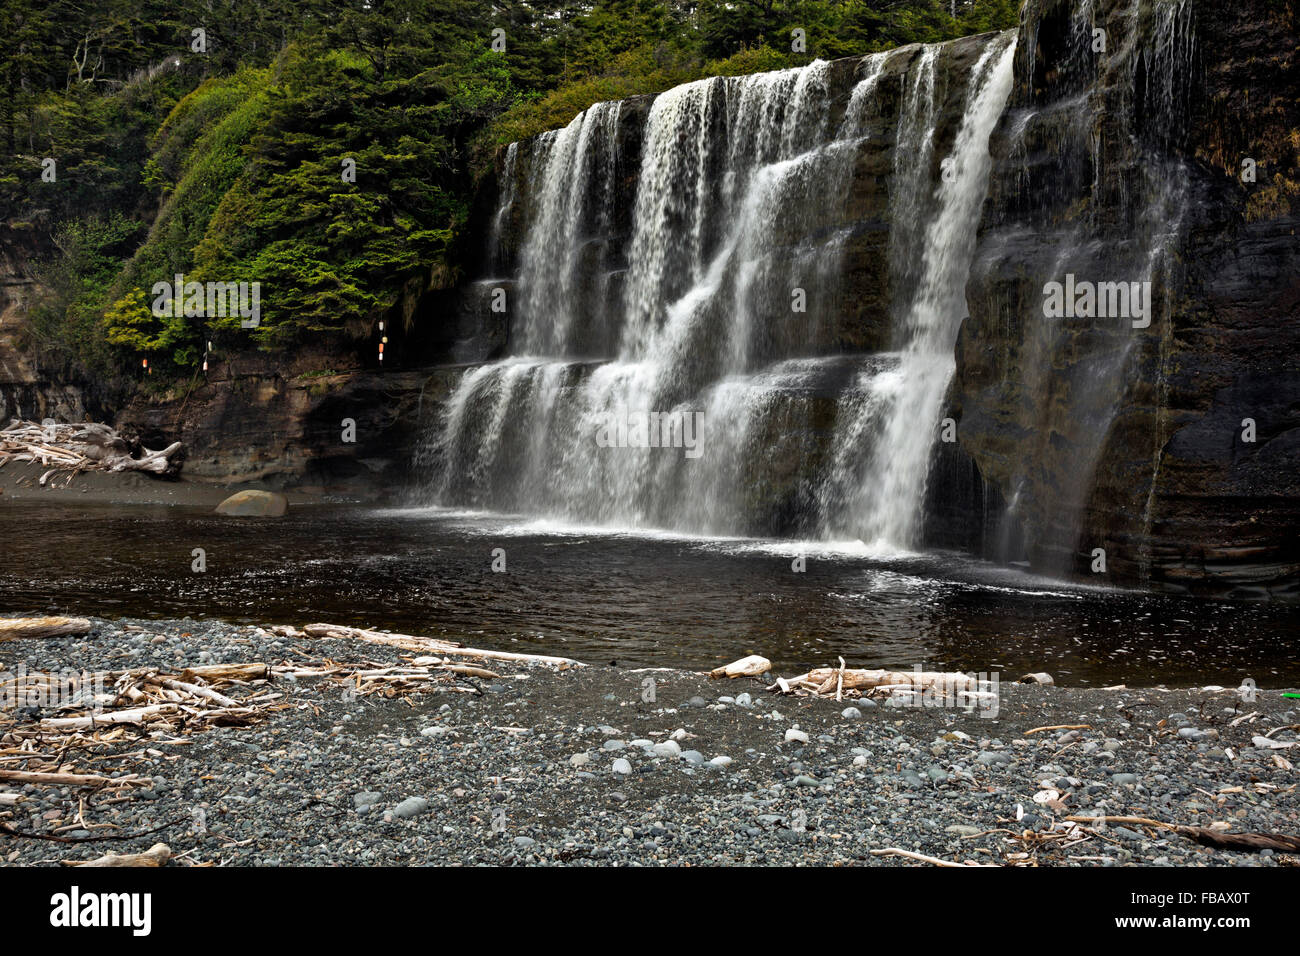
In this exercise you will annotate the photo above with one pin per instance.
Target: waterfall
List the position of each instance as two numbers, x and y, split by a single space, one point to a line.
1093 184
496 255
574 200
721 305
904 402
1167 85
910 189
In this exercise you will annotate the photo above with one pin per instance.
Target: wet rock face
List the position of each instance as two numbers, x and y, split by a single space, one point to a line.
1125 166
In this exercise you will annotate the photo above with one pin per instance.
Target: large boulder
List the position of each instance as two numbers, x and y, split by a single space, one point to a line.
254 504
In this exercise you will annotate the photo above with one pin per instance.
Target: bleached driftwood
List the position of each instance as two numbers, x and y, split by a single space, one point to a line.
54 779
13 628
156 855
86 447
195 689
1039 730
750 666
923 858
156 462
830 680
428 644
428 675
138 715
469 670
219 672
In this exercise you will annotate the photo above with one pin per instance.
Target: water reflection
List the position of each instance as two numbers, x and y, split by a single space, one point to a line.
638 599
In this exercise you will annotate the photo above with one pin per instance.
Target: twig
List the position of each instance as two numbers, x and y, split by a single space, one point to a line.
922 858
1058 727
1280 842
5 828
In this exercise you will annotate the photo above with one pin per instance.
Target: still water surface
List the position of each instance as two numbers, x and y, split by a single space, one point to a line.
638 599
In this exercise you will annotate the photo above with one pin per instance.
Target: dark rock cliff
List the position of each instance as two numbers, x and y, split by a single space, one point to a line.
1127 165
304 424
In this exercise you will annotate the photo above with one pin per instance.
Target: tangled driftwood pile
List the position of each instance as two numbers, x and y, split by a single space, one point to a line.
47 719
71 449
88 730
842 681
56 718
106 707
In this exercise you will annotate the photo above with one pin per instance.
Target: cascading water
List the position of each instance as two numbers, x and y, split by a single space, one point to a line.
495 253
1166 95
724 309
904 402
1093 173
576 170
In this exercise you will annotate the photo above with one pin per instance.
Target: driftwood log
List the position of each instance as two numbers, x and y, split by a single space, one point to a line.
85 447
833 681
827 677
1208 836
923 858
138 715
54 779
1278 842
219 672
750 666
13 628
429 645
156 855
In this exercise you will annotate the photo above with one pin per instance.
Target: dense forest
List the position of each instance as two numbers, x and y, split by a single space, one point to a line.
328 151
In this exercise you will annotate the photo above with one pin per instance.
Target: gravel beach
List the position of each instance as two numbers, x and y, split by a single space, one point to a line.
547 766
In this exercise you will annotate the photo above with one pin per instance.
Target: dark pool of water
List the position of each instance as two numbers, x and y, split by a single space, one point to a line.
634 599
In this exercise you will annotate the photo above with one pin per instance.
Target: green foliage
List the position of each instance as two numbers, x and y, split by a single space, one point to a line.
225 164
642 69
129 322
66 324
630 47
332 254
